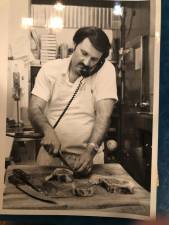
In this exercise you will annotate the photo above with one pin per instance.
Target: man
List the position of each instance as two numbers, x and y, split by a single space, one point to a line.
80 131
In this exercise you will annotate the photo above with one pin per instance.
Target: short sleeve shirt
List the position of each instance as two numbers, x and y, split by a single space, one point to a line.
52 85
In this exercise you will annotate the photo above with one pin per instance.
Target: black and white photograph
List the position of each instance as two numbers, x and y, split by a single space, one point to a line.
80 121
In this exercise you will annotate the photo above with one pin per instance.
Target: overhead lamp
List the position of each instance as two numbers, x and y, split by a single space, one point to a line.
26 23
56 23
59 6
117 9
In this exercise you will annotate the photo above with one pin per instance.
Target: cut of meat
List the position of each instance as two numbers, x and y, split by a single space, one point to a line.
113 185
83 189
61 174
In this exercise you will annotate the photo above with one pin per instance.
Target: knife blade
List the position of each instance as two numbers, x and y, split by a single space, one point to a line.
64 160
24 177
17 180
35 194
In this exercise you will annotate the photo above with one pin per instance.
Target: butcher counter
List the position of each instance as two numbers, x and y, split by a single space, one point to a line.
137 203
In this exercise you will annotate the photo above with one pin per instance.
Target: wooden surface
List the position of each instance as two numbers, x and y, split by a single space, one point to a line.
137 203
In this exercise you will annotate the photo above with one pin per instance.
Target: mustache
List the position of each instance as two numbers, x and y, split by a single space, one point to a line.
85 70
84 66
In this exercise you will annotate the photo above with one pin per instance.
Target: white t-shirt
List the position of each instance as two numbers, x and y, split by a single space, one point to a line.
52 84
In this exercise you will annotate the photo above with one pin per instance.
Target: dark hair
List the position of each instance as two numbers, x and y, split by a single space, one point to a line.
97 37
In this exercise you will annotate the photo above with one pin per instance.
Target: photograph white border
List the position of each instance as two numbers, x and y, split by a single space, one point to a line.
4 6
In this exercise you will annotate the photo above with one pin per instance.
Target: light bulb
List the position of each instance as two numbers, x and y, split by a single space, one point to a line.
56 23
118 10
27 22
59 6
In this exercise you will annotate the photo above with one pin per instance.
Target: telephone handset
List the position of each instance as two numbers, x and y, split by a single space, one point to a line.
86 71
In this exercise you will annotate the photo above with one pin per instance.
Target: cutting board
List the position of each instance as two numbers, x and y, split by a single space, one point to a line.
137 203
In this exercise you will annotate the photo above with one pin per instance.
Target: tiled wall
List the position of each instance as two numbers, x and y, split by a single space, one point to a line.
76 16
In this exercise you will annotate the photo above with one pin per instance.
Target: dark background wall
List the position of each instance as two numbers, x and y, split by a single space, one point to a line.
163 163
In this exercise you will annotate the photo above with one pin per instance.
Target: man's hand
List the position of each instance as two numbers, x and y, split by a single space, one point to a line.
84 163
50 141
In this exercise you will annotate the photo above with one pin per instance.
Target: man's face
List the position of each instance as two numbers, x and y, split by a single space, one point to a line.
85 57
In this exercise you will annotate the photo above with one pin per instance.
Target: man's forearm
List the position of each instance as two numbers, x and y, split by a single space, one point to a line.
37 116
104 109
100 128
41 123
39 120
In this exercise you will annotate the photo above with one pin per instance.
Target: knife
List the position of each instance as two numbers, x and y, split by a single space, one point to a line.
24 178
35 194
60 155
28 189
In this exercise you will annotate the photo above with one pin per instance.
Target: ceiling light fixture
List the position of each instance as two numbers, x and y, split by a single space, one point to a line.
59 6
56 23
117 9
27 23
